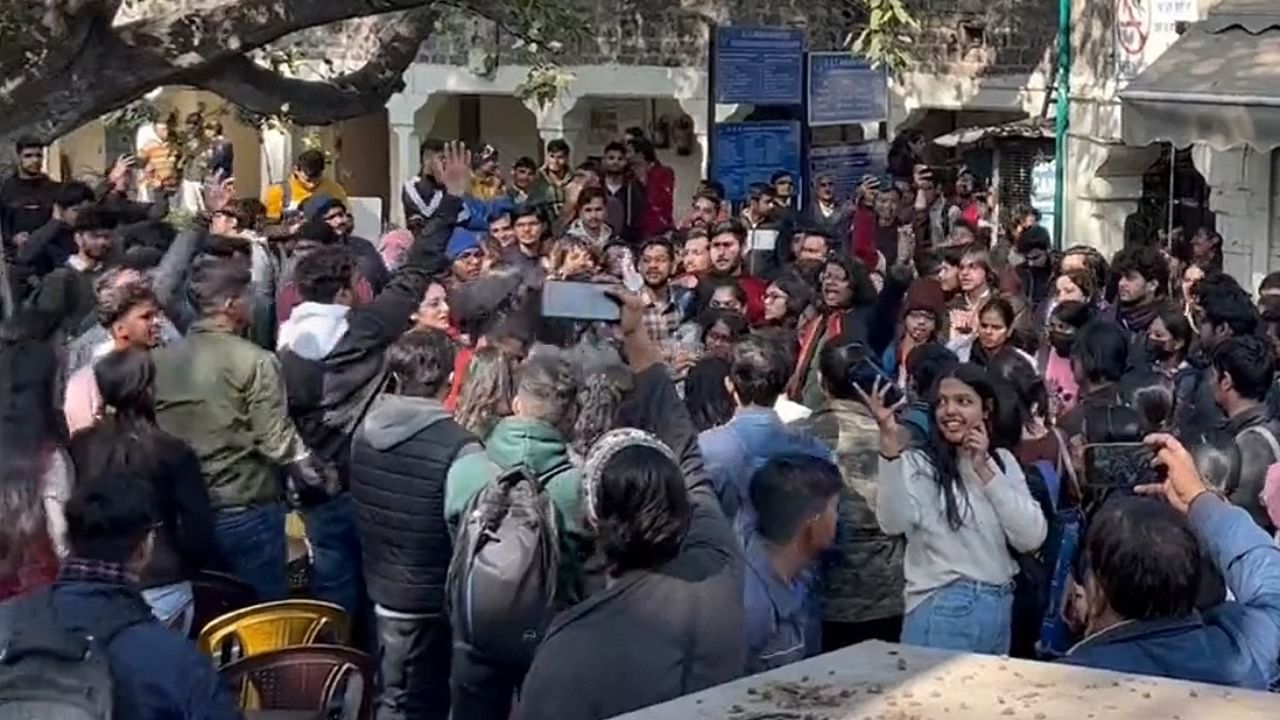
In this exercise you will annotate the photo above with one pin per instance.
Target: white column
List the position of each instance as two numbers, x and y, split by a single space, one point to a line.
1240 183
404 165
554 122
276 155
696 109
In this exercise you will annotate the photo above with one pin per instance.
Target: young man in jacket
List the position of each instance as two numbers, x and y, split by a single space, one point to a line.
333 359
400 458
224 396
156 671
1242 369
1143 561
535 437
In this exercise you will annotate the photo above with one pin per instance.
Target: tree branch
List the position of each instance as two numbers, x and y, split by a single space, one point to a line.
319 102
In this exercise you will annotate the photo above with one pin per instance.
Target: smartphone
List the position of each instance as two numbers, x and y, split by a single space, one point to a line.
865 375
1120 465
579 301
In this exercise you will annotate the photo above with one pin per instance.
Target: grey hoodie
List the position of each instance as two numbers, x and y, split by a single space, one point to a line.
395 418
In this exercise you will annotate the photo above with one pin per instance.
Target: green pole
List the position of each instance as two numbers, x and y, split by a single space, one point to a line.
1062 91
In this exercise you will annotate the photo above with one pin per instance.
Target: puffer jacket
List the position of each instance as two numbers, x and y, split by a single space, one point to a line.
864 567
400 460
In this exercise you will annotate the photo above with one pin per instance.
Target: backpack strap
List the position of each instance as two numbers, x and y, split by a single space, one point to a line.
1066 468
1265 433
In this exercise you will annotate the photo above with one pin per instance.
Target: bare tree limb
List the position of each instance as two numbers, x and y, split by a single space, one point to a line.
317 102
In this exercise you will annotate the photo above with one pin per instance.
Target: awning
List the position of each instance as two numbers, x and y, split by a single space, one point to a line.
1217 84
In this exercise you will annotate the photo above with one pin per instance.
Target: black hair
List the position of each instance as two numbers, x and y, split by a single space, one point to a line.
599 400
799 292
615 146
1146 261
705 394
215 281
736 322
1179 327
547 385
1026 383
525 210
1150 394
73 193
116 299
1074 313
592 192
1034 238
707 288
28 141
96 219
954 255
524 162
942 454
1250 362
759 191
778 175
1145 558
1093 261
642 147
1001 306
836 363
108 519
929 263
318 231
760 371
862 290
641 509
1270 282
1226 303
498 212
324 272
1102 350
789 490
311 162
660 241
732 226
927 363
430 145
557 146
420 363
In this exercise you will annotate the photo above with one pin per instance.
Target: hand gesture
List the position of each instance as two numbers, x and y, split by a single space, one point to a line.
454 168
978 444
884 414
1182 484
219 192
120 170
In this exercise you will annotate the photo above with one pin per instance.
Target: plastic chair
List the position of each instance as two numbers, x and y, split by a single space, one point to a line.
273 626
312 678
217 594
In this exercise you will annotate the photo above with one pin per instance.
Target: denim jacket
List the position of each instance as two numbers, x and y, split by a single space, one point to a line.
734 451
1236 643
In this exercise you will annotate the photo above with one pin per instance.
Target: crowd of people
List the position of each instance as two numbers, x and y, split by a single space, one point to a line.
861 418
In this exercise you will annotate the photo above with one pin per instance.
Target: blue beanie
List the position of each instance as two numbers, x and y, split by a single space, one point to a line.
460 242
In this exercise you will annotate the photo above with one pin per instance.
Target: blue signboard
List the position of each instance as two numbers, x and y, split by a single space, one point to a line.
848 163
749 153
844 89
757 65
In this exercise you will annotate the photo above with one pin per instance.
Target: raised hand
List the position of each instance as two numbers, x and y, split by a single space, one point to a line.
454 168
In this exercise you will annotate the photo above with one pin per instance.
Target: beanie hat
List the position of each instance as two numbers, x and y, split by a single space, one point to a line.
461 241
925 294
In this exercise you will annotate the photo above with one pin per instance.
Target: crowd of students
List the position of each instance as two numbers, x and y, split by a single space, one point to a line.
867 418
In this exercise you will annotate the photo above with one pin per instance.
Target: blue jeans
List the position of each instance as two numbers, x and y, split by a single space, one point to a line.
252 546
965 615
336 575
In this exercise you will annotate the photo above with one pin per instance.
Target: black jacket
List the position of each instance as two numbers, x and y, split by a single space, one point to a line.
1250 456
331 375
399 461
47 248
630 208
25 204
653 635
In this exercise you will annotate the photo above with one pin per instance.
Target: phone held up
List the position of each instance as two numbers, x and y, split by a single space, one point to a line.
865 374
1120 465
579 301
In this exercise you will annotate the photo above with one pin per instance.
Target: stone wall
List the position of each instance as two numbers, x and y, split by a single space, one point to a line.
957 37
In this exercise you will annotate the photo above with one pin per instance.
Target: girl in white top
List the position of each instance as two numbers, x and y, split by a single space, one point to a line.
964 507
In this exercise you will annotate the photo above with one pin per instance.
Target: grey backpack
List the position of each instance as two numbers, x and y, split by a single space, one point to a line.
502 580
52 671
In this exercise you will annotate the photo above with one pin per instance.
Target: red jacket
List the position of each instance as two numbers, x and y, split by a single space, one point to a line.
864 235
753 288
659 200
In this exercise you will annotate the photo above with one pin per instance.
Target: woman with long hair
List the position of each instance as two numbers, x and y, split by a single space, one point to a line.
1169 342
127 440
705 394
845 304
995 333
487 392
786 300
962 502
35 471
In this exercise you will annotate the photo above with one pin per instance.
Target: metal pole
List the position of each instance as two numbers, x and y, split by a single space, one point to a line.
1063 92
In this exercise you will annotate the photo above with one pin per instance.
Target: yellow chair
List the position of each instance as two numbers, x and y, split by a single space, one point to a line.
274 626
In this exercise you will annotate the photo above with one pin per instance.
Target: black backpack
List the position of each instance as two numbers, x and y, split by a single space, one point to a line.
52 671
501 588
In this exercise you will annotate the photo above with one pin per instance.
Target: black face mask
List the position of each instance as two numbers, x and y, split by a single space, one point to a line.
1159 350
1061 342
